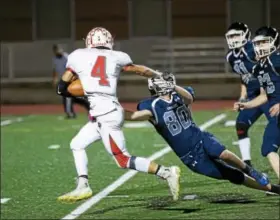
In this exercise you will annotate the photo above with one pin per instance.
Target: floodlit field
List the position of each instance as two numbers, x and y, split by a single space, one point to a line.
33 176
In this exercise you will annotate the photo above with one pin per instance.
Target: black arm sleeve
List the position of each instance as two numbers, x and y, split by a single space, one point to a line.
83 101
62 88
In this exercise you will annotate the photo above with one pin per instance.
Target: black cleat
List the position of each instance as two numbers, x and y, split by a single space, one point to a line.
248 162
70 116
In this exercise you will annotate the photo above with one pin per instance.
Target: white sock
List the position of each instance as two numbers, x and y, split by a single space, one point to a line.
82 182
81 161
142 164
244 146
163 172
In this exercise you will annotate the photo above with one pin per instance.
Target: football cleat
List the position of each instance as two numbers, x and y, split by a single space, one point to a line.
76 195
83 191
271 194
261 178
174 181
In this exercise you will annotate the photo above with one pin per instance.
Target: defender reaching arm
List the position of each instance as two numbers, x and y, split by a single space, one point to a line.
142 70
259 100
144 115
243 92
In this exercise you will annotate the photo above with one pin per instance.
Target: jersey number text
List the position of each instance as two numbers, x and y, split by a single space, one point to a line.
99 70
240 68
177 120
265 78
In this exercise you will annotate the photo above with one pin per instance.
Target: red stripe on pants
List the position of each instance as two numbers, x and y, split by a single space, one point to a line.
118 154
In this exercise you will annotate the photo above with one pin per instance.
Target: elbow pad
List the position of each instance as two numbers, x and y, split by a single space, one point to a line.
62 88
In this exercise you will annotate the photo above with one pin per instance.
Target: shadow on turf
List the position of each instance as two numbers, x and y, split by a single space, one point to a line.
155 203
230 199
162 203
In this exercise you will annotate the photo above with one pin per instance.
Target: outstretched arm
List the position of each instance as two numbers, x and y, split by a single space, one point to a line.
243 92
259 100
188 97
142 115
142 70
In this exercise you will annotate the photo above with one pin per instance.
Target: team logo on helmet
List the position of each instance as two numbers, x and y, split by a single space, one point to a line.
99 37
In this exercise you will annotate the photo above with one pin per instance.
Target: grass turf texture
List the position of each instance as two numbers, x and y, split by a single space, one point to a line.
33 176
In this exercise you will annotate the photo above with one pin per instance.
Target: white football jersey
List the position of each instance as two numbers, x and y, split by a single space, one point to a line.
99 70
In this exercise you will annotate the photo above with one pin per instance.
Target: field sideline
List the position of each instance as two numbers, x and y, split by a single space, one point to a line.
33 175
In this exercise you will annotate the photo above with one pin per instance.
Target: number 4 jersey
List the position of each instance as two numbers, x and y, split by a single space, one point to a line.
268 74
172 120
99 70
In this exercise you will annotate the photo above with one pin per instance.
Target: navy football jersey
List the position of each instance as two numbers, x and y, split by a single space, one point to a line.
173 121
242 63
268 74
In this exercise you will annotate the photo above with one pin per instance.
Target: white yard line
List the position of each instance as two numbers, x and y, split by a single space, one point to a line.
128 175
4 200
54 146
10 121
118 196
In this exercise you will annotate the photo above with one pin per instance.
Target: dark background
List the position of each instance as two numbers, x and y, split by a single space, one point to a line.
27 20
182 36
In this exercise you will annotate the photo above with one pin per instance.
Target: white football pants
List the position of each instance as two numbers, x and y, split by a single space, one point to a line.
108 128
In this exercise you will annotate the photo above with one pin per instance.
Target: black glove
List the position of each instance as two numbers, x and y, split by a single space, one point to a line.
61 88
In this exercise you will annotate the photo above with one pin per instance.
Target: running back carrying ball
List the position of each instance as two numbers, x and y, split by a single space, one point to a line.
76 88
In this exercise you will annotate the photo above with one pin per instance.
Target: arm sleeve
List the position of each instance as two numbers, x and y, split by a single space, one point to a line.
61 88
72 63
124 59
145 105
228 55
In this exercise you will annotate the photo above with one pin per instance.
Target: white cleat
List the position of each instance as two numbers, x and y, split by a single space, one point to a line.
174 181
271 194
83 191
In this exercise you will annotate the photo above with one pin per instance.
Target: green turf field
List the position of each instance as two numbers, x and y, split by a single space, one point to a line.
33 176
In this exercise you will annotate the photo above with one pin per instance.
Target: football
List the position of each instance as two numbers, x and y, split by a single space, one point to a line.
76 88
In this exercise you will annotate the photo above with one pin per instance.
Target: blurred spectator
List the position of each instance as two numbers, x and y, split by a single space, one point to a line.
59 66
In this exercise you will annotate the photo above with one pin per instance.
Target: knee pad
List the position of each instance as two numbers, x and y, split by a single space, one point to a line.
242 130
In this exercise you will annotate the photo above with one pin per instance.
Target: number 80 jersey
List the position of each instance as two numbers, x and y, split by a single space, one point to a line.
98 69
173 121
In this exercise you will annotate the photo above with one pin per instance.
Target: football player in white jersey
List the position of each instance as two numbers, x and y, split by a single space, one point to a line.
98 67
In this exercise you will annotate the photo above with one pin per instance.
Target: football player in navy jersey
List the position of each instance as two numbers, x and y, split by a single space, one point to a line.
242 58
168 110
267 71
